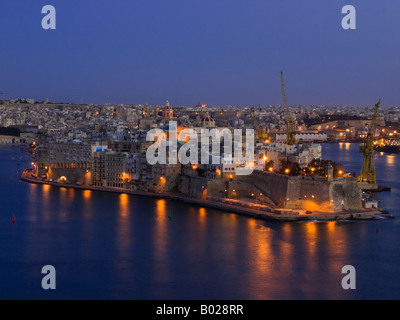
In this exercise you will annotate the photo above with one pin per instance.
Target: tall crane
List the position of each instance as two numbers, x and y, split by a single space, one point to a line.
290 121
368 173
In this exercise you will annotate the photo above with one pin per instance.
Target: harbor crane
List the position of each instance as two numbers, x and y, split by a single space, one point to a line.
290 121
368 172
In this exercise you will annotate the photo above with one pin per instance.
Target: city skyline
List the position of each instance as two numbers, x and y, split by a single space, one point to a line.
225 53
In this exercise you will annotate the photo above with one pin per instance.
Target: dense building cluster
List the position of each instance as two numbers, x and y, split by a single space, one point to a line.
105 145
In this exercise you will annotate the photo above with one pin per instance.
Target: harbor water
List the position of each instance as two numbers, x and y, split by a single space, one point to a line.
118 246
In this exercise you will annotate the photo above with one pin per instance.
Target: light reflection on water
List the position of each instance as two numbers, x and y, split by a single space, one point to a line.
119 246
160 243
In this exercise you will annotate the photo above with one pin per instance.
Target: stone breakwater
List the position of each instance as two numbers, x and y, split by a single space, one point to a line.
227 205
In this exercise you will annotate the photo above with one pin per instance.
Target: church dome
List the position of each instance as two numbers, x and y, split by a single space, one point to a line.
207 121
167 106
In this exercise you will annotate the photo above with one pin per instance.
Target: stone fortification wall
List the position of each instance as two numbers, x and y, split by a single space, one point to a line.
345 193
307 193
272 186
193 186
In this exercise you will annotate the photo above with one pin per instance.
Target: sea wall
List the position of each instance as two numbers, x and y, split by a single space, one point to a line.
73 175
307 193
282 215
193 186
345 193
273 186
297 193
202 187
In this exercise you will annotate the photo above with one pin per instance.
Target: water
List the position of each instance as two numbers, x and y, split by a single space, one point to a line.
118 246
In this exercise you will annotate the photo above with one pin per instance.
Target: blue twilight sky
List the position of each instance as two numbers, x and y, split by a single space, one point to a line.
219 52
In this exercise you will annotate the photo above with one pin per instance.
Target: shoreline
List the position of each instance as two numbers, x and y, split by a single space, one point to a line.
280 214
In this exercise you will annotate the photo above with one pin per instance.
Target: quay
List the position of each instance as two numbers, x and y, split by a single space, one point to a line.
228 205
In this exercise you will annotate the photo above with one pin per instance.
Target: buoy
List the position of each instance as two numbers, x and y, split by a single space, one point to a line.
169 216
377 229
13 221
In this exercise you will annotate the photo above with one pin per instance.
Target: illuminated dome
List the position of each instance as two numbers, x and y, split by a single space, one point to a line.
208 121
167 106
167 112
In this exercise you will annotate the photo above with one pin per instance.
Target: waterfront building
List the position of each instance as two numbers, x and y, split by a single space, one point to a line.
68 161
11 139
109 168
